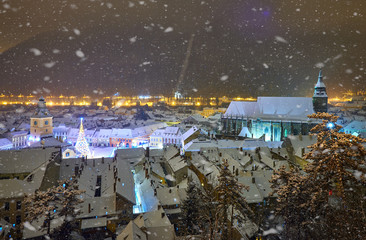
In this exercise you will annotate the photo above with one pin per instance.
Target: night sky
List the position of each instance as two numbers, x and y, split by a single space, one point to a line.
240 47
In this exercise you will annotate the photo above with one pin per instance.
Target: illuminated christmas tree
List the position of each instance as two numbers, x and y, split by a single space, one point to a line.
81 144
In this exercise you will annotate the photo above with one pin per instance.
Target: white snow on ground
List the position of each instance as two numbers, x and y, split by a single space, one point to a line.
99 152
138 208
149 202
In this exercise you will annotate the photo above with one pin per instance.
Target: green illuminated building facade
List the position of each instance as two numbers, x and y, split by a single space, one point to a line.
274 118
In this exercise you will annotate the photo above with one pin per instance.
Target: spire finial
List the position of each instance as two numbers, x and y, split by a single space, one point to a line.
320 73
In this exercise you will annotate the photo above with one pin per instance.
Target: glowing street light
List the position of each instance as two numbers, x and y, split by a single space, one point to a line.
330 125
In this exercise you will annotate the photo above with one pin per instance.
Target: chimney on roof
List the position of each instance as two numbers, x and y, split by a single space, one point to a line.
147 152
93 162
103 160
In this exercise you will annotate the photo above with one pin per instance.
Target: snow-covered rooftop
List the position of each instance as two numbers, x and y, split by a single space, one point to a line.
177 163
14 188
121 133
296 108
190 132
49 142
356 126
24 160
5 142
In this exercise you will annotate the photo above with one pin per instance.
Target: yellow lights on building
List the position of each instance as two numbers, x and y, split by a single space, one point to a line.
336 99
250 99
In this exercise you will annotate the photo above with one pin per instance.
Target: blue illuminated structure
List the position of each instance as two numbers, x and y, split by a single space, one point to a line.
138 208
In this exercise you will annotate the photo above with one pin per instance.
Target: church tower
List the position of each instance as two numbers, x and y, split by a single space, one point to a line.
41 122
320 98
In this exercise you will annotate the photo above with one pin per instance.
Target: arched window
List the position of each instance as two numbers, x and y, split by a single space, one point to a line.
35 123
46 122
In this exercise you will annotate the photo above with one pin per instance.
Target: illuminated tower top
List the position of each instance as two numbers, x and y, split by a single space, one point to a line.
41 111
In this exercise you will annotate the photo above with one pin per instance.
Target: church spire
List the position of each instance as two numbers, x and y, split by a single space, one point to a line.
320 97
320 83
